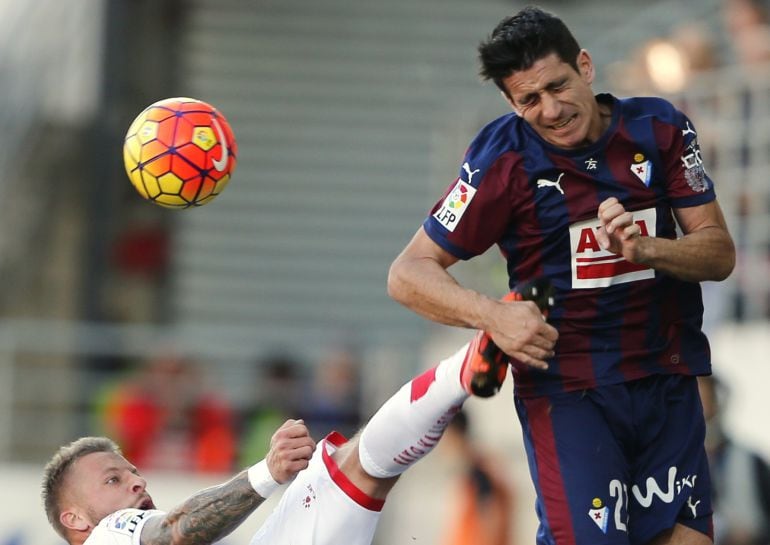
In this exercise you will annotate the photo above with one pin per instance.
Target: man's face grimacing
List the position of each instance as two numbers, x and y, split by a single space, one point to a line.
557 101
98 484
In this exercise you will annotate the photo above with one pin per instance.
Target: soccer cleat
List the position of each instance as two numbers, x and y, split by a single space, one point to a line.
538 290
485 365
484 368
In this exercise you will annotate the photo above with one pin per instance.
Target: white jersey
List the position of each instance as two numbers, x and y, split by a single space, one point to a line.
121 528
322 506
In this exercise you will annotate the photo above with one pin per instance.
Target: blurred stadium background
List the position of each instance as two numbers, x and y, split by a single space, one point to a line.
351 117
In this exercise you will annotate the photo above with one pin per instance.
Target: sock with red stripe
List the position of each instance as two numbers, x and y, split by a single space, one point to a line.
411 422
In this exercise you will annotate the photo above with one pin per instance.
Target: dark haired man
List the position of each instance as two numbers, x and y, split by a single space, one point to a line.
587 190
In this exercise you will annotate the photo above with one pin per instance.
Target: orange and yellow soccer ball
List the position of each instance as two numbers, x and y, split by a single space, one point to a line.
180 152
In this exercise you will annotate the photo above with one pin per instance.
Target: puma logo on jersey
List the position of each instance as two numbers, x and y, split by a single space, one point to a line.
548 183
467 169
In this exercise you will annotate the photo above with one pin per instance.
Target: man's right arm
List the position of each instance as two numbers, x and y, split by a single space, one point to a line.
419 280
214 512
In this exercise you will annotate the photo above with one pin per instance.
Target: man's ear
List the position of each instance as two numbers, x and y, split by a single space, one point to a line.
73 520
586 67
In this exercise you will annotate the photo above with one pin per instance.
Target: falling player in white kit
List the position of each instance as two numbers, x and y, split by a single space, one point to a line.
94 496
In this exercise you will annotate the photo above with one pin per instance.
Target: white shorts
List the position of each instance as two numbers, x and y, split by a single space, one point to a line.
322 506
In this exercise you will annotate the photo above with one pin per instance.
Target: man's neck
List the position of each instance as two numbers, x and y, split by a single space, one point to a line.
78 538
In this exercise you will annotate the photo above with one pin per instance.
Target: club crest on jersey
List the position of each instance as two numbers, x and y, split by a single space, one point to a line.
642 169
455 204
599 514
309 497
595 267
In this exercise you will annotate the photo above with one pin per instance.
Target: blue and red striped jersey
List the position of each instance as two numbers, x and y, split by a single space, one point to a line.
617 321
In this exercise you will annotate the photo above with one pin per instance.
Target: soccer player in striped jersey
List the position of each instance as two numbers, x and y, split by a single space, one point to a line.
587 190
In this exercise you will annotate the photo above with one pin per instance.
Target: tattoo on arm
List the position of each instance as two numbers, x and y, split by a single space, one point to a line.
205 517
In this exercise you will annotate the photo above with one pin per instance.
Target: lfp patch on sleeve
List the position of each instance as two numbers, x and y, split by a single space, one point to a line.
455 204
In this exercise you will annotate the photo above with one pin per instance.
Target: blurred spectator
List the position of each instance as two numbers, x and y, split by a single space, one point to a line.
748 28
164 417
484 500
740 477
334 399
669 64
139 266
330 401
747 24
697 43
277 398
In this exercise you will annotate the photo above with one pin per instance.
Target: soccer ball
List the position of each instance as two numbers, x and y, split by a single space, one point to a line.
180 152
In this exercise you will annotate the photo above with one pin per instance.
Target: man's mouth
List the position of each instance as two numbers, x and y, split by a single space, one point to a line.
146 504
564 122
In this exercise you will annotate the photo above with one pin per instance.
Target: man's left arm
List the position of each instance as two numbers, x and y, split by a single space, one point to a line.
705 252
207 516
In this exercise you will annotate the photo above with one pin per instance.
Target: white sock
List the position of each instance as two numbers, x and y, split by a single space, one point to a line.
411 422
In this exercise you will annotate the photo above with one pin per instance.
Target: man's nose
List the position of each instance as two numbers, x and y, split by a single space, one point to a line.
138 484
551 107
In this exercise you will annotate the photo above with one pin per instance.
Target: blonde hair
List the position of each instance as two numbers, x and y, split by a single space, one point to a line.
59 465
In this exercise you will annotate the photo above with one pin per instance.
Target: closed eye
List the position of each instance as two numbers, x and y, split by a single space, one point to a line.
527 100
557 86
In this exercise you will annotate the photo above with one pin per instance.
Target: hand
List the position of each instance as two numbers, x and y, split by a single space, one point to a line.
618 232
291 448
519 329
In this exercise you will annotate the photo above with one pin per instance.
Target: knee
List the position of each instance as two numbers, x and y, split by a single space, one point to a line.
349 463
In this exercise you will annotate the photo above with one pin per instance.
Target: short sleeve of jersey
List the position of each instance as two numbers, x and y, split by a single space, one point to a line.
688 182
121 527
476 208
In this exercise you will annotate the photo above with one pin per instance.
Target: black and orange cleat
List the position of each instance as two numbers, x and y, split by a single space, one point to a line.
485 366
540 290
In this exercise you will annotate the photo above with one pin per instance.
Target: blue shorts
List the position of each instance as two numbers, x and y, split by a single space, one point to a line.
617 465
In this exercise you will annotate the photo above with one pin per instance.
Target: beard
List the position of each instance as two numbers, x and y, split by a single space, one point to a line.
96 515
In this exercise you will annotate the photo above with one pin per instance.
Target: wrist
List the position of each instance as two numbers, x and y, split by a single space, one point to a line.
644 252
481 309
262 480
